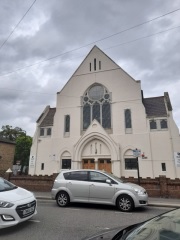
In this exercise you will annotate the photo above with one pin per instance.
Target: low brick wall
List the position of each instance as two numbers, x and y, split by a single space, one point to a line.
158 187
34 183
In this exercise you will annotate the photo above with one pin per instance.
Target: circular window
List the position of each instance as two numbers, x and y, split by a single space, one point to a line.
96 92
85 99
106 96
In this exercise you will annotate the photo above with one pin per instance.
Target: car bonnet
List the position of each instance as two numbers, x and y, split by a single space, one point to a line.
16 194
135 186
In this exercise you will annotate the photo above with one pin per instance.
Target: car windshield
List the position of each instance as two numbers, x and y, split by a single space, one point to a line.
163 227
6 186
115 177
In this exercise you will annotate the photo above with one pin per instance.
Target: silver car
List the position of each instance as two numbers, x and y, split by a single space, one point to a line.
99 187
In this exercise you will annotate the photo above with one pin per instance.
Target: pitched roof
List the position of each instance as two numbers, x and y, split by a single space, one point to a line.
49 118
5 140
155 107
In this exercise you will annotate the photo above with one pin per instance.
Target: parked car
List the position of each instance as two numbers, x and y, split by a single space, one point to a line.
16 204
162 227
94 186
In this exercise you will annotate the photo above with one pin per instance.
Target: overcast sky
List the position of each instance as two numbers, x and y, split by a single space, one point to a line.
42 43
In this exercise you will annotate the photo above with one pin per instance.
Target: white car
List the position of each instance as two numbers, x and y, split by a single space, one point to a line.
16 204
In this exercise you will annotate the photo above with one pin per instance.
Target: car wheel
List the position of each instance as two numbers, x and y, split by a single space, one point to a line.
125 203
62 199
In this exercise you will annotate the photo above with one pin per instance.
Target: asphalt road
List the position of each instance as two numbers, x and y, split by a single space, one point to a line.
74 222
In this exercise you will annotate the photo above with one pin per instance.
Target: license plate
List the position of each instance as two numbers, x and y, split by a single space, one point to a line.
28 210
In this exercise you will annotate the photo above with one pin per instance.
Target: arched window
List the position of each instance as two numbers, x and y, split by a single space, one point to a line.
97 105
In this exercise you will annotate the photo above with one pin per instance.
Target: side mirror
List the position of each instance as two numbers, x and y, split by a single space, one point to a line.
108 181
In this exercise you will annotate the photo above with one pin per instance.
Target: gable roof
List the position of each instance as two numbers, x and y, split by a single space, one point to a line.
155 107
49 118
97 50
5 140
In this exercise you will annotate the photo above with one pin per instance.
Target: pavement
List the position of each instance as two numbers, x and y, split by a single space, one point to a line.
153 201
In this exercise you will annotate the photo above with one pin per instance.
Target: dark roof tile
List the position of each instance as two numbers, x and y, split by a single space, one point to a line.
155 107
49 118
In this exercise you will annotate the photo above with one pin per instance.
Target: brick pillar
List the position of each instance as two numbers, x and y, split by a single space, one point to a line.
163 186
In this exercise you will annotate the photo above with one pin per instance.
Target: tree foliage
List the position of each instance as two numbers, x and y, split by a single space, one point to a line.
22 150
10 133
23 143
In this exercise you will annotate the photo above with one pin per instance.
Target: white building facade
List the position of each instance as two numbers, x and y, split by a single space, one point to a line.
100 119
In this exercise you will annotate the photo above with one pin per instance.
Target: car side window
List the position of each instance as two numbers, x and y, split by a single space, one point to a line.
98 177
77 175
67 175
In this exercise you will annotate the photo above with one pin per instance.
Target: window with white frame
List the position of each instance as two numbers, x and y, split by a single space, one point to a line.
158 124
67 123
130 163
45 132
128 122
42 132
48 131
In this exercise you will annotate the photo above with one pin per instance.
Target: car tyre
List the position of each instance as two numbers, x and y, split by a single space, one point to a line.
62 199
125 203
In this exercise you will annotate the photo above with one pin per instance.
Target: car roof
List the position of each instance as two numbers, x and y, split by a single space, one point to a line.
77 170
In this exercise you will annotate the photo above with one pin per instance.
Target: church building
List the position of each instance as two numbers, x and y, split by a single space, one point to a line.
102 121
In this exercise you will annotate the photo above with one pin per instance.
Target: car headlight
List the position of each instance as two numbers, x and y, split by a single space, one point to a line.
4 204
139 191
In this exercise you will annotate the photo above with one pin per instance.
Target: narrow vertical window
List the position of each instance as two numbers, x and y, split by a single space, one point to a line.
106 115
94 64
96 112
99 65
128 118
42 166
41 131
86 116
49 132
67 123
90 67
163 165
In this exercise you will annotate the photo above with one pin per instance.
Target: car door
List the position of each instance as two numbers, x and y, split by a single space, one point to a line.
99 190
78 186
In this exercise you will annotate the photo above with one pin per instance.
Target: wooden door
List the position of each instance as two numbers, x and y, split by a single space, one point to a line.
104 164
88 164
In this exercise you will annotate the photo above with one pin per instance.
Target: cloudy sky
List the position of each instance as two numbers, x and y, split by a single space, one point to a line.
42 43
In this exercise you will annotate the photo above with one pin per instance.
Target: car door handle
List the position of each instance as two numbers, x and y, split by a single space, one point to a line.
92 185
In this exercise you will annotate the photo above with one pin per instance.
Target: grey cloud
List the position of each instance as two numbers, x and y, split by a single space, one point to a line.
70 24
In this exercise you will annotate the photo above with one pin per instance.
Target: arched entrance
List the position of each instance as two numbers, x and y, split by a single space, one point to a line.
97 150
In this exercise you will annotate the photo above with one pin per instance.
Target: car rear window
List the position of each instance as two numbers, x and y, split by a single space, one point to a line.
78 176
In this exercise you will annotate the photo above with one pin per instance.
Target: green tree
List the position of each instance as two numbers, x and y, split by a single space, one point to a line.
23 143
11 133
22 150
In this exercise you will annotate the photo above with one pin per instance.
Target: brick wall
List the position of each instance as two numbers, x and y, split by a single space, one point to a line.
33 183
7 151
158 187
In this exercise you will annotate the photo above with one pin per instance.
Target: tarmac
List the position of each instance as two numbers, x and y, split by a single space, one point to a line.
152 201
